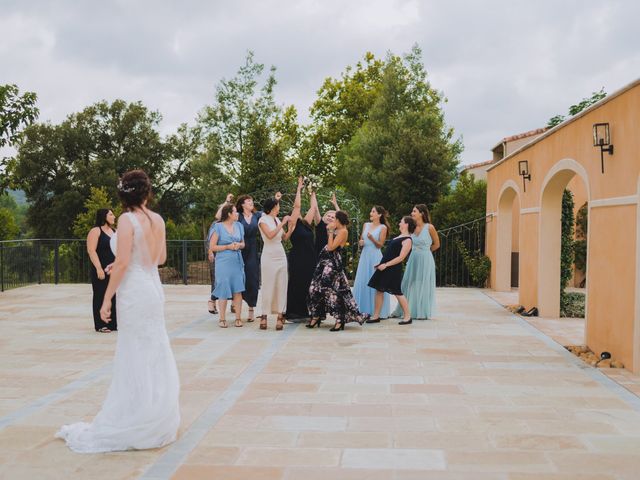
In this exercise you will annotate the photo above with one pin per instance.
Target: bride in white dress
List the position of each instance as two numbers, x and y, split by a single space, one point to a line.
141 409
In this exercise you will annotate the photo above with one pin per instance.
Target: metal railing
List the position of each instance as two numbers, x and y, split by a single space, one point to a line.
53 261
451 270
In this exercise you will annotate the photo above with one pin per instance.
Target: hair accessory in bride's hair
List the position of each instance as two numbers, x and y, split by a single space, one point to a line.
124 189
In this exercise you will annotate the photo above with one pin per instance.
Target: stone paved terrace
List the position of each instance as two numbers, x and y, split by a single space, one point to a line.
476 394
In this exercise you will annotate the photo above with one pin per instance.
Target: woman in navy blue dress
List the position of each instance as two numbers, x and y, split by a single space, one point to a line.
248 218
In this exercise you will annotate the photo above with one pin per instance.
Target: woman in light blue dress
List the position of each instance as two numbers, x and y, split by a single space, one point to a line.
419 281
374 234
227 241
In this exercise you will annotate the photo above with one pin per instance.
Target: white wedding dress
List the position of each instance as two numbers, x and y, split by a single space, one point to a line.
141 409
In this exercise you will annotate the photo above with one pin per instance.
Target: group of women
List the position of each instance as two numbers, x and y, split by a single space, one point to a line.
141 409
312 283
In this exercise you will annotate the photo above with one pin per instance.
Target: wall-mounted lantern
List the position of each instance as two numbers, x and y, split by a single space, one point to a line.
523 171
602 139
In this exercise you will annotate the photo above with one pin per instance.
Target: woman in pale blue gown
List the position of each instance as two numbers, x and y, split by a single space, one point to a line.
419 281
374 234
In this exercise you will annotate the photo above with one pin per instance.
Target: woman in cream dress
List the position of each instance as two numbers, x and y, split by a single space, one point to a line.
273 264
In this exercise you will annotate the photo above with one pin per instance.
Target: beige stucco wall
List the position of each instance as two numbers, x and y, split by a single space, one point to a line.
612 323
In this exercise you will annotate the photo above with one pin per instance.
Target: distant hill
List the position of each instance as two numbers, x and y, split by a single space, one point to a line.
18 196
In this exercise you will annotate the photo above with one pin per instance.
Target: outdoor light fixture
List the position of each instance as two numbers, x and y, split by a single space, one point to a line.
523 170
603 356
602 139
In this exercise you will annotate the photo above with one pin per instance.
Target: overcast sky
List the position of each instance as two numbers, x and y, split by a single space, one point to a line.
505 66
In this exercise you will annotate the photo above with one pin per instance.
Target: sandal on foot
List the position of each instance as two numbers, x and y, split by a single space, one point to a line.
280 322
238 322
222 323
211 306
104 330
250 318
263 322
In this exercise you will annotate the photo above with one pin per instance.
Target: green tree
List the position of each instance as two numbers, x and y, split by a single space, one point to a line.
404 152
57 165
98 198
342 107
566 244
241 127
578 107
16 112
17 212
8 227
466 202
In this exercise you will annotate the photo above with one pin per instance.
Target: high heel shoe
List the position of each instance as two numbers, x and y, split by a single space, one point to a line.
315 322
263 322
280 322
337 327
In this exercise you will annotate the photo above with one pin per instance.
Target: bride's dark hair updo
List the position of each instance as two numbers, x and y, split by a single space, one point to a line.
134 187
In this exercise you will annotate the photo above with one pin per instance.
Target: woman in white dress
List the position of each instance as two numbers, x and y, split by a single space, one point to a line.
273 264
141 409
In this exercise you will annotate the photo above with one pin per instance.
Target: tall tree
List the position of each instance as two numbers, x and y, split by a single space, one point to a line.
342 106
404 152
16 112
241 126
57 165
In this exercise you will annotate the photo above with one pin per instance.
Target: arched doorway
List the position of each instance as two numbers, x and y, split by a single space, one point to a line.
507 235
550 235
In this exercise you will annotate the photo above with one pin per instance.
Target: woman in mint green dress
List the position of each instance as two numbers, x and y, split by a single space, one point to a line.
419 281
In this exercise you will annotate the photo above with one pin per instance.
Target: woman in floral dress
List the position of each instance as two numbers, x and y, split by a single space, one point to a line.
330 291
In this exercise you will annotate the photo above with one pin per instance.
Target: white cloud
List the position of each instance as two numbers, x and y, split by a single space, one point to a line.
505 67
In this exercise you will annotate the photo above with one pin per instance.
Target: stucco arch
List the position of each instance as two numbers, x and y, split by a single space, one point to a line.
549 230
508 194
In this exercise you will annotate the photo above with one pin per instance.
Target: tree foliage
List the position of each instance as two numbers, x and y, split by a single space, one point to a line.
98 199
57 165
566 244
466 202
404 153
16 112
246 131
578 107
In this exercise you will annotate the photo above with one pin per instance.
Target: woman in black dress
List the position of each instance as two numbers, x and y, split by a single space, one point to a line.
302 258
388 275
330 291
101 258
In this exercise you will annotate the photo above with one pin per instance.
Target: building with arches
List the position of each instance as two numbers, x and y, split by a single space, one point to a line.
523 215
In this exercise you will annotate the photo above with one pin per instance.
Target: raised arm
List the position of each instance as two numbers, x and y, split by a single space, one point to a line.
314 207
297 202
334 202
271 232
435 238
229 199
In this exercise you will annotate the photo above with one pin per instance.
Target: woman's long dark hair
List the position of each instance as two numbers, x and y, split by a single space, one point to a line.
384 216
424 211
343 218
101 217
